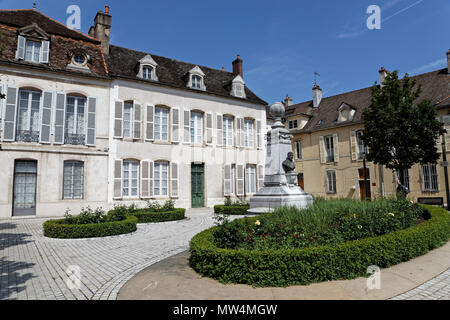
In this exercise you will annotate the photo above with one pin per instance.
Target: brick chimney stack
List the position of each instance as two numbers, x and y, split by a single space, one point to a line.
383 74
237 67
288 101
102 29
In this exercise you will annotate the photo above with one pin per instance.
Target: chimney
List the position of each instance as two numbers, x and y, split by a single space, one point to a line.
237 67
383 74
288 101
317 96
448 61
102 29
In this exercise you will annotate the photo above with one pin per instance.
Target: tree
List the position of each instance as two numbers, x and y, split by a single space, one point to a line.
399 130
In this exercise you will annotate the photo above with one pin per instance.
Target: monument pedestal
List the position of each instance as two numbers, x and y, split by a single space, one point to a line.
280 180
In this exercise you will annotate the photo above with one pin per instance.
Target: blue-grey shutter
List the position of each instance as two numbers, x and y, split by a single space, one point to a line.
20 53
174 178
91 120
117 179
60 117
176 125
137 121
118 119
9 129
45 49
187 126
46 118
149 131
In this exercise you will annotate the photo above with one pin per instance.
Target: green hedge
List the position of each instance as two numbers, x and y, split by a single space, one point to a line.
146 216
349 260
235 210
58 229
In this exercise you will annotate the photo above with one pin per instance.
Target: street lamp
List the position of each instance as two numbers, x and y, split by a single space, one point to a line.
365 172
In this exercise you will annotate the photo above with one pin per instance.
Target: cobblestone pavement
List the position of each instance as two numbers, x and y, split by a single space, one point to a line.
34 267
437 288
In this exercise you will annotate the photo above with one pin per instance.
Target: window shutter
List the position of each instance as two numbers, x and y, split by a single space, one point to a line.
238 132
323 152
44 54
91 122
219 129
209 128
227 180
187 126
9 128
151 164
241 133
145 179
260 176
46 117
446 120
336 147
354 145
259 136
327 181
60 117
240 180
149 135
118 119
137 121
118 179
20 53
176 125
174 179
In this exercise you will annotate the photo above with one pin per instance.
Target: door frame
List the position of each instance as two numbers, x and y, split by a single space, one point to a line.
14 187
193 164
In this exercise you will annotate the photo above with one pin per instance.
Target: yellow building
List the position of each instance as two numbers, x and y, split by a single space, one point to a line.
329 153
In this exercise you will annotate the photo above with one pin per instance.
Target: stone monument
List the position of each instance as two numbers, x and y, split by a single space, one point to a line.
280 180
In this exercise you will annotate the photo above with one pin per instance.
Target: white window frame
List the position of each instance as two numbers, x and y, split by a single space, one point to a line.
196 127
76 114
298 150
72 177
127 105
293 124
228 131
161 113
249 136
33 53
360 145
233 180
29 102
130 179
250 179
430 178
147 72
158 170
331 182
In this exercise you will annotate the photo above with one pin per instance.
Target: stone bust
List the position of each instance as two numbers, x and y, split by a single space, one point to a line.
288 164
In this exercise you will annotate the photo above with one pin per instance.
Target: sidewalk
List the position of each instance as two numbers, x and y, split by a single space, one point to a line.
173 279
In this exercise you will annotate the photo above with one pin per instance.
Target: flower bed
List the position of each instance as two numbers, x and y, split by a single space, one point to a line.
63 230
277 263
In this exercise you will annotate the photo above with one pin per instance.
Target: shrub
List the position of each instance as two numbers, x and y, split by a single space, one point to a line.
302 266
147 216
63 230
240 209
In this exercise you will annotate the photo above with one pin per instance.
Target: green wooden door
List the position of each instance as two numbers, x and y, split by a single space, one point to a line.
198 185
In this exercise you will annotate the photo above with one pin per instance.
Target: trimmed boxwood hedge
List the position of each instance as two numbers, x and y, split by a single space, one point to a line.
147 216
303 266
58 229
234 210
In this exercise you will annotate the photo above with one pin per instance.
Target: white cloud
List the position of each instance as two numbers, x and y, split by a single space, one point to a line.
429 67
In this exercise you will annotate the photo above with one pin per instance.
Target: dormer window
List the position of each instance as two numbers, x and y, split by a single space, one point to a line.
196 79
78 60
33 45
147 68
346 113
238 87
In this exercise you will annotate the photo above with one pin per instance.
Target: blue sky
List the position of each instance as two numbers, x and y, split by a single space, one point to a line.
282 42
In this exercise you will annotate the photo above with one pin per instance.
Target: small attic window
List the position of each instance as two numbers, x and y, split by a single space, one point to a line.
238 87
147 68
196 79
346 113
320 122
79 60
33 44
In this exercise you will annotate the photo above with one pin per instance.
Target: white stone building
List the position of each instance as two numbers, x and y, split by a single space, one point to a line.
88 123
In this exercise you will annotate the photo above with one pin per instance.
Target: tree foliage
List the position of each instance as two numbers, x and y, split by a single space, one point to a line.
399 130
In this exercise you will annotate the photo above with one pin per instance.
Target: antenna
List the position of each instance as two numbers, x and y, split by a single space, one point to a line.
316 74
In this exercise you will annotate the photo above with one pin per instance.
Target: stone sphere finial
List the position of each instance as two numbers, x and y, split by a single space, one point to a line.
277 110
